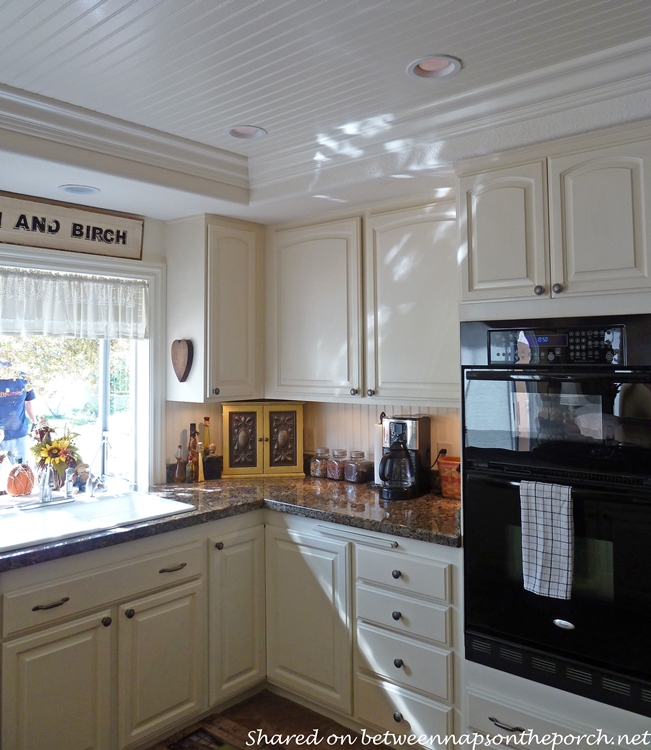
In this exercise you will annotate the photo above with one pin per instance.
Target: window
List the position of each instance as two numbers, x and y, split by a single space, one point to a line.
134 404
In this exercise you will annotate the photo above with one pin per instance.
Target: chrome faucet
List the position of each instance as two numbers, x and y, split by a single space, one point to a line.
70 473
46 485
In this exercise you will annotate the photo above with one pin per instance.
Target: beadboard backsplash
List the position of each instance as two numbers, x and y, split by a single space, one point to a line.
348 426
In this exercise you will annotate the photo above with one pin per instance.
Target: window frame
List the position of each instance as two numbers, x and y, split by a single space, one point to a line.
150 423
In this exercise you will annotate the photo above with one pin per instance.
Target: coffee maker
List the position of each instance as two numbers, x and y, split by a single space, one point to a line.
405 467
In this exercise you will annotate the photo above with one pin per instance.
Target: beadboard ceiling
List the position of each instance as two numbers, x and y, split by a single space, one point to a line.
135 96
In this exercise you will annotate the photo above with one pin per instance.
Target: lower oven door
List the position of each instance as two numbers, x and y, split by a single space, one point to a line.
610 605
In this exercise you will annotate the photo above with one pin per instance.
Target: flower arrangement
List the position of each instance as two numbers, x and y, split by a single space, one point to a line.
59 453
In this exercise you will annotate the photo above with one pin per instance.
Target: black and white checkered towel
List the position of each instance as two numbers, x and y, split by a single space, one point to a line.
547 538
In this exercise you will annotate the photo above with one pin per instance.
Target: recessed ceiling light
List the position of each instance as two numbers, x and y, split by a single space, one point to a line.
434 66
80 189
247 132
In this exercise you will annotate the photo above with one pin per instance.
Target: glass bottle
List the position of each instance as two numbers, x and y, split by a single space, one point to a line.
199 466
336 464
319 464
206 436
179 474
357 469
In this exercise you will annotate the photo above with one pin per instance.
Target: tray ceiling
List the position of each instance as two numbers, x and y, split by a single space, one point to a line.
326 78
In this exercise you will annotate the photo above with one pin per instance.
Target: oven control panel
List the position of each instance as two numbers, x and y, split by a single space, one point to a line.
572 346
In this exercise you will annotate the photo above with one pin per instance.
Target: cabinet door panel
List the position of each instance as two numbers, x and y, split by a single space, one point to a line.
503 233
237 614
160 664
314 291
308 624
232 301
243 429
600 202
412 298
56 688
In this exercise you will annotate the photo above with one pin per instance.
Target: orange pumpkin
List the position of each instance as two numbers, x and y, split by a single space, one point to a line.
20 480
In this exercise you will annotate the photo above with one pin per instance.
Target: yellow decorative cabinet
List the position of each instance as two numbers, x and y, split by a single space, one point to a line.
263 439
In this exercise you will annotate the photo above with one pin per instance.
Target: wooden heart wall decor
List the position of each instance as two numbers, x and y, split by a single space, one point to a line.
182 352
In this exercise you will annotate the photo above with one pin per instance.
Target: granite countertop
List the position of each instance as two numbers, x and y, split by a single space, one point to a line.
430 518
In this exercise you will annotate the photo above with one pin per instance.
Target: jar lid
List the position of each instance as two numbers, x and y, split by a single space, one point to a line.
322 451
339 452
357 454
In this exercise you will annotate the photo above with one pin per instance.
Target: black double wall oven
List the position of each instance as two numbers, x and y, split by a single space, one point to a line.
562 402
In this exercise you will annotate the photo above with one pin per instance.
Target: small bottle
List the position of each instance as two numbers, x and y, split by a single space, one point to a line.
189 471
179 474
200 476
319 464
336 464
357 469
206 436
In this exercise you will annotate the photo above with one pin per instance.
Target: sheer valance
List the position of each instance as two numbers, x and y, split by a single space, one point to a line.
65 304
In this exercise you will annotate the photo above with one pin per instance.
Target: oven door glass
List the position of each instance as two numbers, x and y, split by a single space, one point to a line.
610 605
595 421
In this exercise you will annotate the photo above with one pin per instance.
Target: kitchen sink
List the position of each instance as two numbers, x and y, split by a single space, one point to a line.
38 525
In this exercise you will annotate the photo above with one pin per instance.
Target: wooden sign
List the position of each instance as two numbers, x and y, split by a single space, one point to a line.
182 354
66 226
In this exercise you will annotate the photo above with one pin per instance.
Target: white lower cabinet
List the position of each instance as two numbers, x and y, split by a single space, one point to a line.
308 615
56 687
405 654
160 661
66 639
237 612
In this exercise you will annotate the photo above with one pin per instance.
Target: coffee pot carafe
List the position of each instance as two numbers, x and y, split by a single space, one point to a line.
397 473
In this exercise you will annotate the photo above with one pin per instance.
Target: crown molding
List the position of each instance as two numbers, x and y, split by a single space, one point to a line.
590 80
33 115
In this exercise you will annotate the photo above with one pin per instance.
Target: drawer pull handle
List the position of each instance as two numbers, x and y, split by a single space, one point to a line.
500 725
397 716
106 621
130 613
396 615
219 545
180 566
396 574
398 663
51 605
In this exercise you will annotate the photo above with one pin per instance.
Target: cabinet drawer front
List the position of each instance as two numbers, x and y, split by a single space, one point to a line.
493 717
44 604
411 663
403 613
414 575
400 712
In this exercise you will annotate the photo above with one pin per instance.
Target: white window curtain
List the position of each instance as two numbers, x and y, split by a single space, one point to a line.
64 304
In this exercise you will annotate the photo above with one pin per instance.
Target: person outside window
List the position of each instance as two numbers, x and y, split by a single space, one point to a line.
16 410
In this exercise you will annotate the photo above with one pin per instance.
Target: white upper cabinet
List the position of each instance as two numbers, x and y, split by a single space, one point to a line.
411 302
503 232
397 302
314 340
214 299
600 203
566 225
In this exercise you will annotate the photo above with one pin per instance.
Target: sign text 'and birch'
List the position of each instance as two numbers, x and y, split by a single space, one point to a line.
65 226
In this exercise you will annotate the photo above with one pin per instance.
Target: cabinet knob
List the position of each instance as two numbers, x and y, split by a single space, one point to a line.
370 392
397 716
106 621
396 615
353 391
396 573
130 613
557 288
260 440
266 440
397 663
538 290
215 391
220 545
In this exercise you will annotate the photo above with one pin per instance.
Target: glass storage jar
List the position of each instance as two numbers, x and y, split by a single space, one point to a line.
357 469
336 464
319 464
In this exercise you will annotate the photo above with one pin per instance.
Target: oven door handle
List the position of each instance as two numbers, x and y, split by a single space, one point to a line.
496 481
613 376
